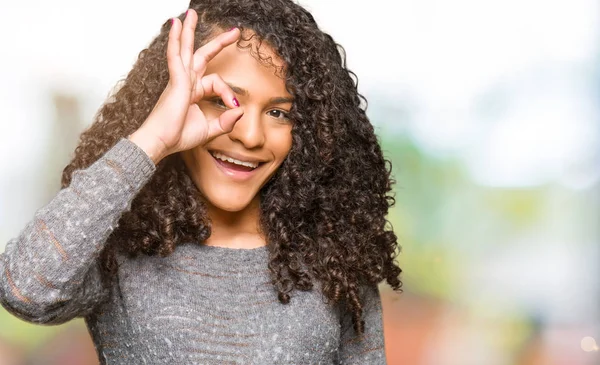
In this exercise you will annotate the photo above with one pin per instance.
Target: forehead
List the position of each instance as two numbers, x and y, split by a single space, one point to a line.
252 66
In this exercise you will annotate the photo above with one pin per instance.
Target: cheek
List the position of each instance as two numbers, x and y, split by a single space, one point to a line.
280 143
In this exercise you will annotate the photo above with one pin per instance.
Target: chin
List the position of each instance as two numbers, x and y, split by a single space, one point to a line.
228 199
229 205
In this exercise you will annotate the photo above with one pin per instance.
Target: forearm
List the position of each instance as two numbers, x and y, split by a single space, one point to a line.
44 267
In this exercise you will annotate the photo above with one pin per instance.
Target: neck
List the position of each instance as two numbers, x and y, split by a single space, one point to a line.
235 229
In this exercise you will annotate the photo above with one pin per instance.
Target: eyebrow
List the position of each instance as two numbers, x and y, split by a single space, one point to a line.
275 100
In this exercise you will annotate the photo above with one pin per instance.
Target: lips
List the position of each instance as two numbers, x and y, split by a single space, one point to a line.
234 166
236 158
235 171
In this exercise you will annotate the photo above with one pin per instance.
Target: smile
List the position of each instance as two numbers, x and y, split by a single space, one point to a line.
223 157
236 168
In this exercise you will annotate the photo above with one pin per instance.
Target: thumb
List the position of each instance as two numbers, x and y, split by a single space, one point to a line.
224 123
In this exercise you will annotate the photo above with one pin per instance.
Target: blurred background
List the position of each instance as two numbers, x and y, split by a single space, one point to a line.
489 111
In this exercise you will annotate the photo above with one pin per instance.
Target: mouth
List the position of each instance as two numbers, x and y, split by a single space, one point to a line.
235 168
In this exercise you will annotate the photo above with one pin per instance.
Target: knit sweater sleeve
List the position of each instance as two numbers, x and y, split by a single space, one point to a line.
370 348
50 273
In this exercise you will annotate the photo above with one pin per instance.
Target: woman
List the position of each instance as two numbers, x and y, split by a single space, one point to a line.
227 205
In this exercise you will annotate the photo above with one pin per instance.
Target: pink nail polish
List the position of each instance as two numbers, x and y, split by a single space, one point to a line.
172 21
187 12
231 29
236 102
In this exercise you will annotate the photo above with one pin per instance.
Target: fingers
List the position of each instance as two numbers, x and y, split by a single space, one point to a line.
180 46
187 38
213 84
174 63
224 123
207 52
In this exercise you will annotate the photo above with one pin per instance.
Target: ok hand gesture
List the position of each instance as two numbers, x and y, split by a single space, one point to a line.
176 122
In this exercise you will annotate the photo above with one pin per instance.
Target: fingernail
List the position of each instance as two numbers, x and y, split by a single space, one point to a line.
186 13
236 102
231 29
172 21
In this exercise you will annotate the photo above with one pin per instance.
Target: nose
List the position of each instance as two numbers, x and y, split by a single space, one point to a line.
249 130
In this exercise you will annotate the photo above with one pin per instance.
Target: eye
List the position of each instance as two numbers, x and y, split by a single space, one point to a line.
219 102
278 114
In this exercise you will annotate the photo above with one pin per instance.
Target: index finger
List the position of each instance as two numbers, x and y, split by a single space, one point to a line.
208 51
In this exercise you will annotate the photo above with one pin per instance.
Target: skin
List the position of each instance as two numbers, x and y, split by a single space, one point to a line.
263 133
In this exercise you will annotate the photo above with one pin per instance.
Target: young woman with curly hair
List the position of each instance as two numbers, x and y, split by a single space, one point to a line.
227 205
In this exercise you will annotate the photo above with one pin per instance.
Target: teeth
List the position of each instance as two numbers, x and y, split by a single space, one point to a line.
222 157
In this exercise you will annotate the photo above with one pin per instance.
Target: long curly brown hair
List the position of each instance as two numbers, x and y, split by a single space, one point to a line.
323 212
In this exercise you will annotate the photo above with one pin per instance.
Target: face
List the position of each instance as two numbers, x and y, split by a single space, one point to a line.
263 134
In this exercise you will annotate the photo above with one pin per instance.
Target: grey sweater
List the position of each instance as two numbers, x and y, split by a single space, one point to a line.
201 305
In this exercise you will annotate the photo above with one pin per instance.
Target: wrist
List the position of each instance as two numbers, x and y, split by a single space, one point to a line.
155 150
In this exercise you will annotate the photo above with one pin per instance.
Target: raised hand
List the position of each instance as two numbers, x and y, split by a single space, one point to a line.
176 122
